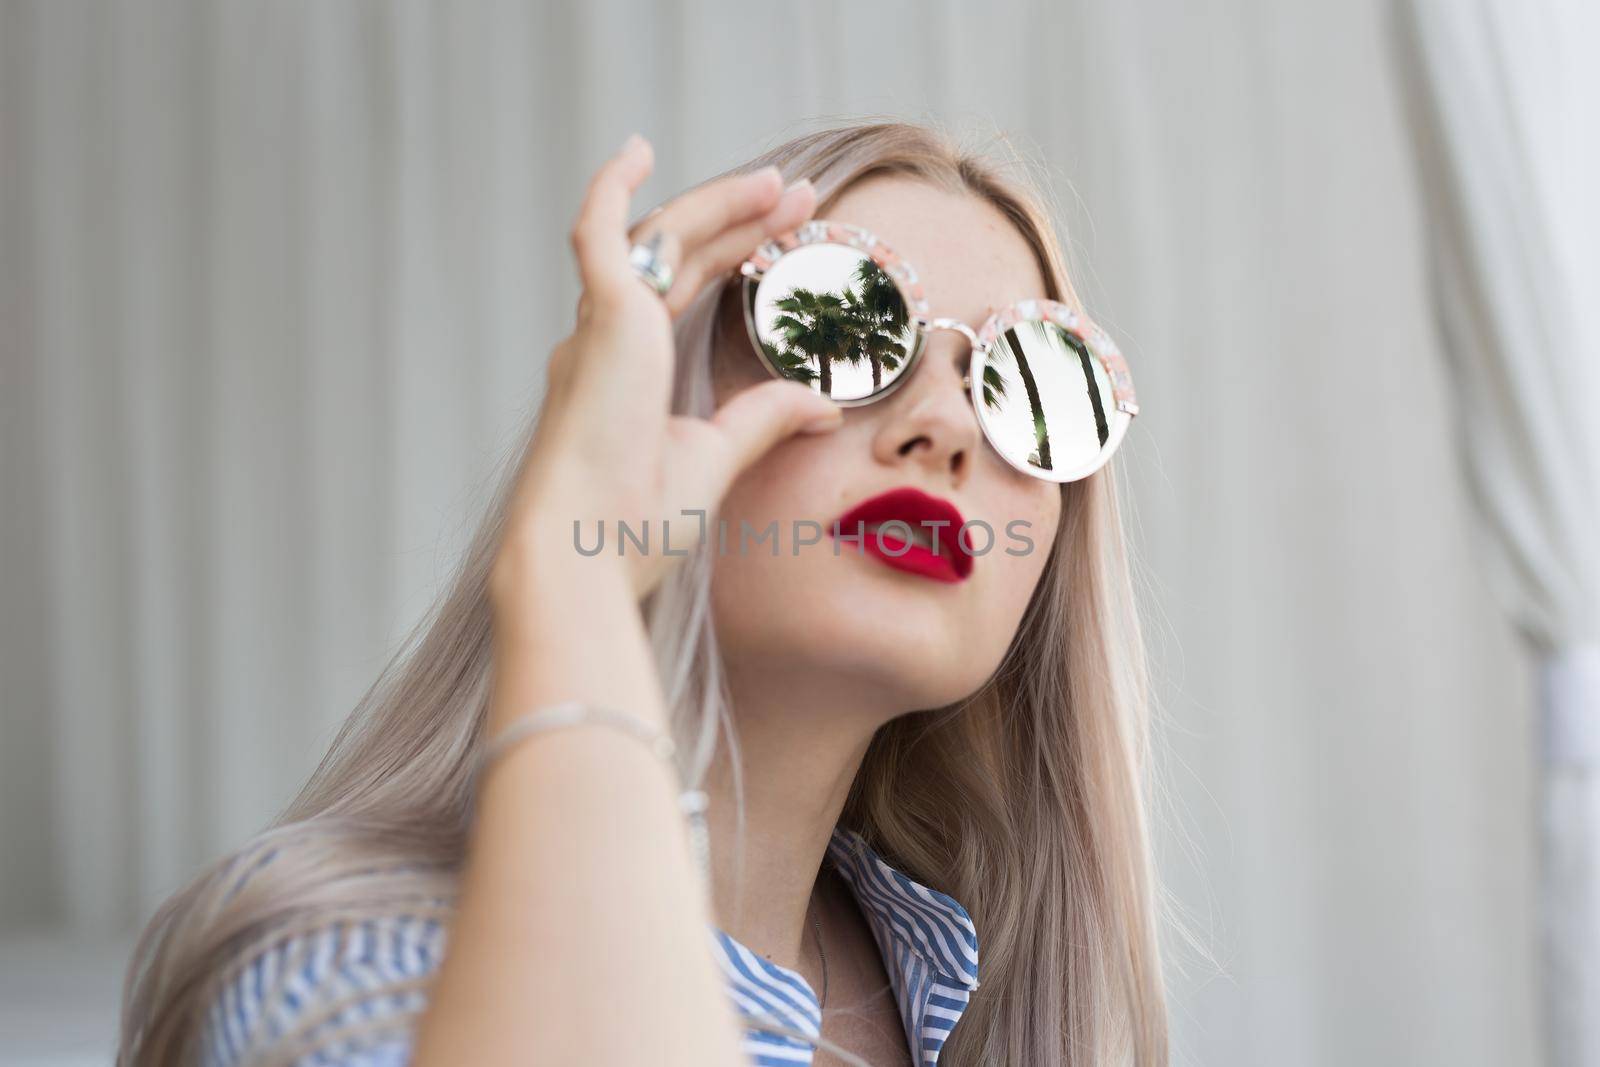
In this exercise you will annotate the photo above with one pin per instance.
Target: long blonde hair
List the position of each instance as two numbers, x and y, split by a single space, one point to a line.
1026 802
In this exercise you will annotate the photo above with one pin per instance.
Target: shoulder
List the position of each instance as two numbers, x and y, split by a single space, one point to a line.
345 993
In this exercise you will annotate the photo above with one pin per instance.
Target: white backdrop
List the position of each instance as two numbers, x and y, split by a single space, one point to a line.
1503 101
275 282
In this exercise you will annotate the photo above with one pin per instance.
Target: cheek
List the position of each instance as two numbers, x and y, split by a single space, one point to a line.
757 597
798 479
1025 524
1036 509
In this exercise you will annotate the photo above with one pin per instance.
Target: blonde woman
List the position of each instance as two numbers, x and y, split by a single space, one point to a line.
814 549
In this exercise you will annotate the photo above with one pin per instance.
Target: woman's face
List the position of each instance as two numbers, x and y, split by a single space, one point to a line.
900 630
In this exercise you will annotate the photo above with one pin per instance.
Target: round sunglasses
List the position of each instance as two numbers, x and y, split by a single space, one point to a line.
830 305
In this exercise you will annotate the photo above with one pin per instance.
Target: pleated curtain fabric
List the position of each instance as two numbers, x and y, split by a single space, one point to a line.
1504 102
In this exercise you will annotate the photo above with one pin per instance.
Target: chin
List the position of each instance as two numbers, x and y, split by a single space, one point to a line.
868 629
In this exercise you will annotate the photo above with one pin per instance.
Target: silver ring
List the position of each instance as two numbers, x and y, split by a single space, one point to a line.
646 261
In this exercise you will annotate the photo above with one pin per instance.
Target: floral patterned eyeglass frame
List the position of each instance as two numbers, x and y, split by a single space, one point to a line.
1092 383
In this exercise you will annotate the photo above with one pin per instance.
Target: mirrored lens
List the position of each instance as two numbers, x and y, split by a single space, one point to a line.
1046 399
827 315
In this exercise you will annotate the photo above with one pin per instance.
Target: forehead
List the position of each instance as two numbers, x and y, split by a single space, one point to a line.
970 258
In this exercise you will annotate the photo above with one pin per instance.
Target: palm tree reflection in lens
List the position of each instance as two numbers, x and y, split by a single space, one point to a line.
879 316
1051 343
864 320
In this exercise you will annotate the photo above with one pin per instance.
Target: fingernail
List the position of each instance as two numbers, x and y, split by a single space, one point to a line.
798 183
633 141
824 422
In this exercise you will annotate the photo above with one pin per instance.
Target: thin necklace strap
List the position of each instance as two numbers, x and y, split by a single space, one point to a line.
816 928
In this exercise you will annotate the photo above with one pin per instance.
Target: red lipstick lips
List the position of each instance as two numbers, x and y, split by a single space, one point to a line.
937 547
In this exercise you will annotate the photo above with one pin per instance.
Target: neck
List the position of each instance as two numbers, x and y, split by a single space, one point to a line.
800 746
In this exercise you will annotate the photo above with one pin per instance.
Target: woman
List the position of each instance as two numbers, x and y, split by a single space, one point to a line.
910 746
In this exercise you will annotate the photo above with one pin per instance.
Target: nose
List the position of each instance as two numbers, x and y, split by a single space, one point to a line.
929 420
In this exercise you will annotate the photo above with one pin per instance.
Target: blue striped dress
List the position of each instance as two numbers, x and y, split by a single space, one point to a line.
350 972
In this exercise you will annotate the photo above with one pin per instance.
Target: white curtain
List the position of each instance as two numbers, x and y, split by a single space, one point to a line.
275 284
1506 103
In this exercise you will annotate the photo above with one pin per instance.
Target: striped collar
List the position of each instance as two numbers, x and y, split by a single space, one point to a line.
929 948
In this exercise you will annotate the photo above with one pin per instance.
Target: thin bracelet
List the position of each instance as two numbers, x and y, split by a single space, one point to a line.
691 802
571 713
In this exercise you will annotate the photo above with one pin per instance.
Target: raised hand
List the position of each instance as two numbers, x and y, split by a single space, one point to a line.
607 446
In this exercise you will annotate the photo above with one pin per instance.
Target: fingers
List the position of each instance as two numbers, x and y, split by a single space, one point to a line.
728 249
702 234
702 213
599 235
682 226
757 418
